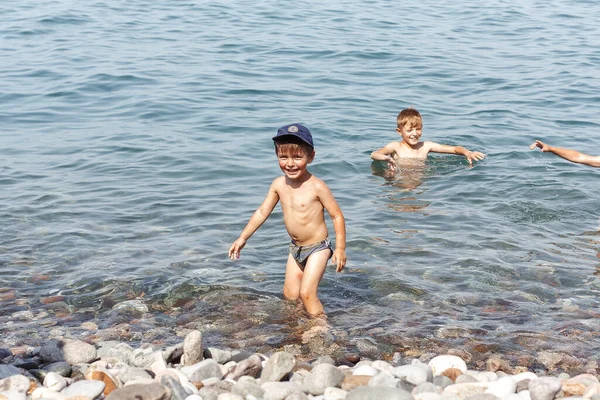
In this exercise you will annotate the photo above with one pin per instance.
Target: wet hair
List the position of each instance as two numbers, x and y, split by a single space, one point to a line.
409 117
292 144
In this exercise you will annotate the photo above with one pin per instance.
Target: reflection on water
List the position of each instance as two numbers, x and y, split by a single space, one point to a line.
408 174
406 177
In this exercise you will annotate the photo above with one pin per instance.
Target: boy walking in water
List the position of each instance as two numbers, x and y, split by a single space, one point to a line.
409 126
303 199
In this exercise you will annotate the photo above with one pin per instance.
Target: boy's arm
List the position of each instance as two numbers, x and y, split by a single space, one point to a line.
339 224
443 148
568 154
257 219
385 154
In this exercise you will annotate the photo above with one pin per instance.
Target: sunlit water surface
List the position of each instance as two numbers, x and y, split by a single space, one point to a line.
136 143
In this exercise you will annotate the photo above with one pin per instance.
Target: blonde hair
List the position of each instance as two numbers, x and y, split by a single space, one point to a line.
410 118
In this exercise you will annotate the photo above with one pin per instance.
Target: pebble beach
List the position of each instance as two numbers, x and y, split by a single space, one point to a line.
71 369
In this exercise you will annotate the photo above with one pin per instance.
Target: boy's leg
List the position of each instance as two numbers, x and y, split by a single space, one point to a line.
313 273
293 277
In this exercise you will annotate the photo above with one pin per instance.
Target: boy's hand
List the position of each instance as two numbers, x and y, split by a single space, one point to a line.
236 247
543 146
474 156
339 259
391 163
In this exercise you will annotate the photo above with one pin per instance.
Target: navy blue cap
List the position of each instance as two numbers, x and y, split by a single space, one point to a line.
297 130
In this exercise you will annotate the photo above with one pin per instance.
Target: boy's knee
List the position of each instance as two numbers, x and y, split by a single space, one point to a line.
289 294
307 295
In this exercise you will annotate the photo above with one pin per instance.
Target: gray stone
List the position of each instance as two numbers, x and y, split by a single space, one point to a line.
414 373
280 390
279 365
333 393
71 351
424 387
432 396
8 370
143 358
114 349
482 396
88 389
173 353
238 356
245 387
321 377
62 368
212 392
177 391
128 373
544 388
384 379
465 378
464 390
297 396
5 353
523 385
152 391
324 360
203 370
192 348
442 381
229 396
220 356
370 393
251 366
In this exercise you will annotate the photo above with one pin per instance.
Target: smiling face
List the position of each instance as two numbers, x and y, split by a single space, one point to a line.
410 126
294 159
410 134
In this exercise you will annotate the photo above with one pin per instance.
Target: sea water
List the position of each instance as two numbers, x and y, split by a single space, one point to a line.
135 144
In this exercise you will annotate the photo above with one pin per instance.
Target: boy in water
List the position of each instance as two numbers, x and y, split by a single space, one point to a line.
567 154
409 126
303 198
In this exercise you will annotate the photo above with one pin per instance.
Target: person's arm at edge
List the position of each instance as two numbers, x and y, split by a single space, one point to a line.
568 154
258 218
339 225
446 149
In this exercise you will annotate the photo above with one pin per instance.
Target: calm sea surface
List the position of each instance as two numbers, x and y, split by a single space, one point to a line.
135 143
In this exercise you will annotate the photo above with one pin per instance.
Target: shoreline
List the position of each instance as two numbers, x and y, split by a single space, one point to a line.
64 368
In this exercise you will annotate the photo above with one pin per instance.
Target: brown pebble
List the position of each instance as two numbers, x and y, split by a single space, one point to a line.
199 385
51 299
352 357
496 364
573 388
452 373
351 382
110 382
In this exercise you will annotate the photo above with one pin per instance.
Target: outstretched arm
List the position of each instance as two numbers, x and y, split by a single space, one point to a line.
385 153
257 219
339 225
442 148
568 154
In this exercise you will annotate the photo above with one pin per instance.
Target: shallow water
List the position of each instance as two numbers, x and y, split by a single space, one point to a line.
136 143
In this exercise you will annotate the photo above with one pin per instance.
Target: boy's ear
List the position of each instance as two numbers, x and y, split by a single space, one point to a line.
398 130
311 157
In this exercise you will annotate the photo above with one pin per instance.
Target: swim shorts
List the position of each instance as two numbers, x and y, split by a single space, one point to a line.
301 253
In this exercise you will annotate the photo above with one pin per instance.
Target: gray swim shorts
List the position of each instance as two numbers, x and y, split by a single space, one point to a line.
301 253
